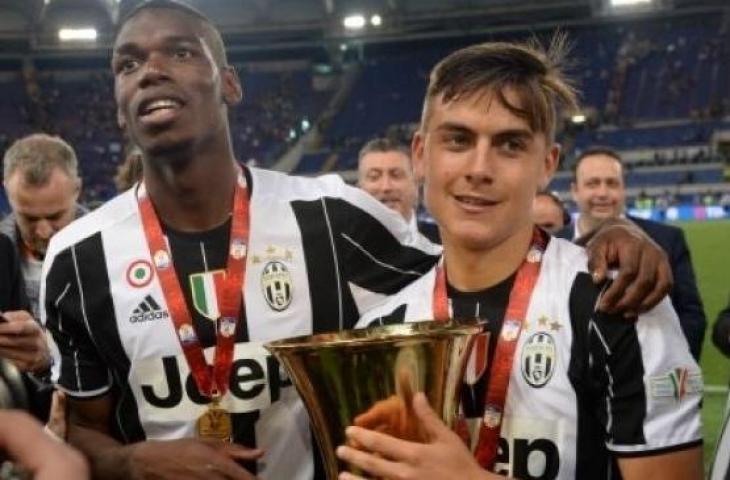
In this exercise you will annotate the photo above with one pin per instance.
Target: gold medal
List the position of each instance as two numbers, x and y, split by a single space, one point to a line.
215 423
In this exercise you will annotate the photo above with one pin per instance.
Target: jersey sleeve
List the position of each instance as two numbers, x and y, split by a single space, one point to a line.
650 387
357 251
78 367
382 253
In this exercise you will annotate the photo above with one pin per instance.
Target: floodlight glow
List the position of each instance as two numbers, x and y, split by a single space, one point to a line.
376 20
580 118
626 3
354 22
77 34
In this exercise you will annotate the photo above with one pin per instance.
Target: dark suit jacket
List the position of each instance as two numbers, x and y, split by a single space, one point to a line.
12 288
684 295
13 392
721 331
429 230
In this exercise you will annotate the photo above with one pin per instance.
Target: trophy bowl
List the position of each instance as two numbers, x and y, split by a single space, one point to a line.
367 377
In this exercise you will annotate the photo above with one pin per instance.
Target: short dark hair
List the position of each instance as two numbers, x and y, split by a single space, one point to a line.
536 74
217 45
595 150
558 202
383 145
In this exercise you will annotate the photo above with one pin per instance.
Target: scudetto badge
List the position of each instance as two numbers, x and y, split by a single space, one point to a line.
277 285
538 359
139 273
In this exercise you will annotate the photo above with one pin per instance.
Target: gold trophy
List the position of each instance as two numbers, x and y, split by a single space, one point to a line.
367 377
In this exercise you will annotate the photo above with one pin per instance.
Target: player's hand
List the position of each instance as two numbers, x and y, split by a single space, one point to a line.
442 457
23 342
394 415
190 459
57 422
33 450
644 275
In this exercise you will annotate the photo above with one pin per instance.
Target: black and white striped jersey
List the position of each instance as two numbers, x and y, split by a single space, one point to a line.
586 388
319 254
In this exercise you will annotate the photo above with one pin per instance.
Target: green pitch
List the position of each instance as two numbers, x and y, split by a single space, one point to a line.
709 244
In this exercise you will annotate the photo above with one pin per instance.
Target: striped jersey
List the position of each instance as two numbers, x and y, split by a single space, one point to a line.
319 254
586 388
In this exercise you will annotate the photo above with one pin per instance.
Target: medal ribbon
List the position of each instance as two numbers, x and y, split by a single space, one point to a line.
212 381
519 299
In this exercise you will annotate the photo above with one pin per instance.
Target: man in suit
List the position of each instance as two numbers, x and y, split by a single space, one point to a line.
599 190
384 170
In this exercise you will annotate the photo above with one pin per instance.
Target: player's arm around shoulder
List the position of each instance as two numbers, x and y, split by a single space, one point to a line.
656 393
181 459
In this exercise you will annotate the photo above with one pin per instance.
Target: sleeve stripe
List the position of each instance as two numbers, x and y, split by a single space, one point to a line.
337 264
78 370
597 331
89 394
381 263
629 452
82 304
82 300
63 294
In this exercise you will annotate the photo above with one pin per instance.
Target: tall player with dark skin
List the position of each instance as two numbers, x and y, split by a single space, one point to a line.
173 90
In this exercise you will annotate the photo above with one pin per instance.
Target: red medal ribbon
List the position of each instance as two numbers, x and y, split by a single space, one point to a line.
212 381
519 300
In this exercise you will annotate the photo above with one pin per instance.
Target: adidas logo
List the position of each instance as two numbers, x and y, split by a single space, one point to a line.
147 311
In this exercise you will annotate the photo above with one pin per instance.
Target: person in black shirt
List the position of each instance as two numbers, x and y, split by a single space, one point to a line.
23 348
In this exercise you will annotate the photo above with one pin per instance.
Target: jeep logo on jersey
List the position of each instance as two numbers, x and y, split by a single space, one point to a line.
530 459
255 382
538 359
277 285
204 287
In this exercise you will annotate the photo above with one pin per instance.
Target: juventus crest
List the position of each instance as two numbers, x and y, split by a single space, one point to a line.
277 285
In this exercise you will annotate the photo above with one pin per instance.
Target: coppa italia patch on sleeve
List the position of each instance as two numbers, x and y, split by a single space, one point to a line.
676 384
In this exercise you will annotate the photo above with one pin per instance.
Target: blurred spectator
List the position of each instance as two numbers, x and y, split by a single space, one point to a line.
42 184
643 201
385 171
549 213
130 171
599 191
725 201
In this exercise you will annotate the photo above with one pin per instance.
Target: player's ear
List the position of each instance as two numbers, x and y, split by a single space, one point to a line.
232 89
121 121
551 161
417 150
